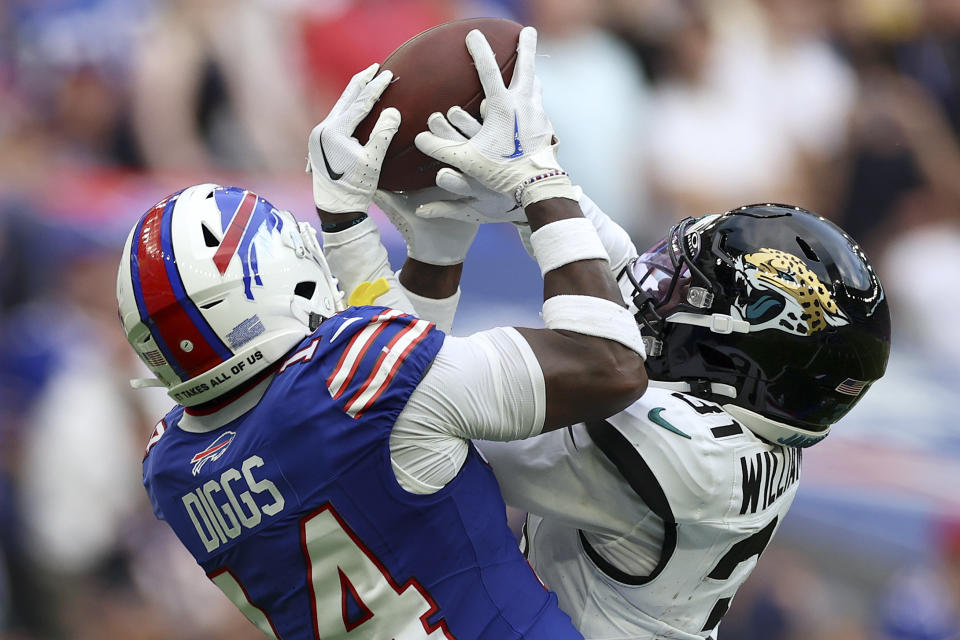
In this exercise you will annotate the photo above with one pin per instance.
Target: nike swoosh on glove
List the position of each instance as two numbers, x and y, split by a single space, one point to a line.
514 152
474 202
345 173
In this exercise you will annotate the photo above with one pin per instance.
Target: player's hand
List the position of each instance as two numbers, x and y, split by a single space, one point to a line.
345 173
514 152
474 203
443 241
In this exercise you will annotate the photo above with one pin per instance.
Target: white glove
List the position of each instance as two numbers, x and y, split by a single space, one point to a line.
345 173
442 241
476 203
514 151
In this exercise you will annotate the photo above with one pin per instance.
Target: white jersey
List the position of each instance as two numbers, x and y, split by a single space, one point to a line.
647 523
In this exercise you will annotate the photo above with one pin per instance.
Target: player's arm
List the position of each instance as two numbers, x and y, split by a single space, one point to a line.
509 384
468 202
345 175
439 225
590 355
615 240
357 256
434 289
591 361
435 253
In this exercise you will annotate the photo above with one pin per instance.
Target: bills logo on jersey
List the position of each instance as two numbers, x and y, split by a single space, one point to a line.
244 218
213 451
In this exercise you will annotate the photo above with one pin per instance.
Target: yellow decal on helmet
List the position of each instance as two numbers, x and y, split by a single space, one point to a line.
812 307
367 292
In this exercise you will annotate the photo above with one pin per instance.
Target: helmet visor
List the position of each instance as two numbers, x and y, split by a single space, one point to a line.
661 275
657 272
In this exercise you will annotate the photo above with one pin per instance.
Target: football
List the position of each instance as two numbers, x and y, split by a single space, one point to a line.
433 71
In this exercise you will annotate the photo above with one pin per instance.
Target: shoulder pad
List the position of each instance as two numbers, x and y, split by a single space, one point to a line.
173 417
362 352
688 446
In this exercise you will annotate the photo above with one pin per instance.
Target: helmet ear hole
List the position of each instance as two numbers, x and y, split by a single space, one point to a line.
209 238
305 289
807 249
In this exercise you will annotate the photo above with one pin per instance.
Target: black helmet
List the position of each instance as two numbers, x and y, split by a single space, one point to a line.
770 310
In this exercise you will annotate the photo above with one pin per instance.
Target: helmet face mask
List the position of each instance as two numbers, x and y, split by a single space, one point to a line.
665 279
215 285
769 309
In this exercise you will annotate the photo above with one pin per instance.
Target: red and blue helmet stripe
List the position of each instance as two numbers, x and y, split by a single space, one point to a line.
233 227
243 217
162 301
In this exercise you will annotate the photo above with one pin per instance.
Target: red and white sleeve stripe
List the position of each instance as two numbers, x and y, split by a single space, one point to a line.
155 438
386 366
342 374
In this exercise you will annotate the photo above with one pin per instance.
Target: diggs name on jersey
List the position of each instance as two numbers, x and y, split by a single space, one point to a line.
220 513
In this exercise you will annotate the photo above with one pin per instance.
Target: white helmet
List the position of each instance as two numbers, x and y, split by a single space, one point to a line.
215 285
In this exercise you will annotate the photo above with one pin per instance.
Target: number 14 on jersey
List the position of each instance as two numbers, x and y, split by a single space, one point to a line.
354 596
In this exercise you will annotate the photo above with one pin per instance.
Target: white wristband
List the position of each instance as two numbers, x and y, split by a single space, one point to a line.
549 184
564 241
593 317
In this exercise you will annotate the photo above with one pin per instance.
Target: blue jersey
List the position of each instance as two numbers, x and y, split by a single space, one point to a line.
294 511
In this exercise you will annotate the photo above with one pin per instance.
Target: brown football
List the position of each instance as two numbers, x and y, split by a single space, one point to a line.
432 72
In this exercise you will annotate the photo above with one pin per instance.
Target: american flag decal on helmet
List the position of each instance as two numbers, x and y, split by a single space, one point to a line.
851 387
154 358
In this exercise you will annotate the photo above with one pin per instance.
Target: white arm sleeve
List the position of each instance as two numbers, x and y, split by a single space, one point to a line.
356 255
486 386
614 239
438 311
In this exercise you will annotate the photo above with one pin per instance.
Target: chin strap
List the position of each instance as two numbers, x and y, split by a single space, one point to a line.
716 322
143 383
716 388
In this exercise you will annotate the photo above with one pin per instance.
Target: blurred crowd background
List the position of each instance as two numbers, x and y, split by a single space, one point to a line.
664 108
